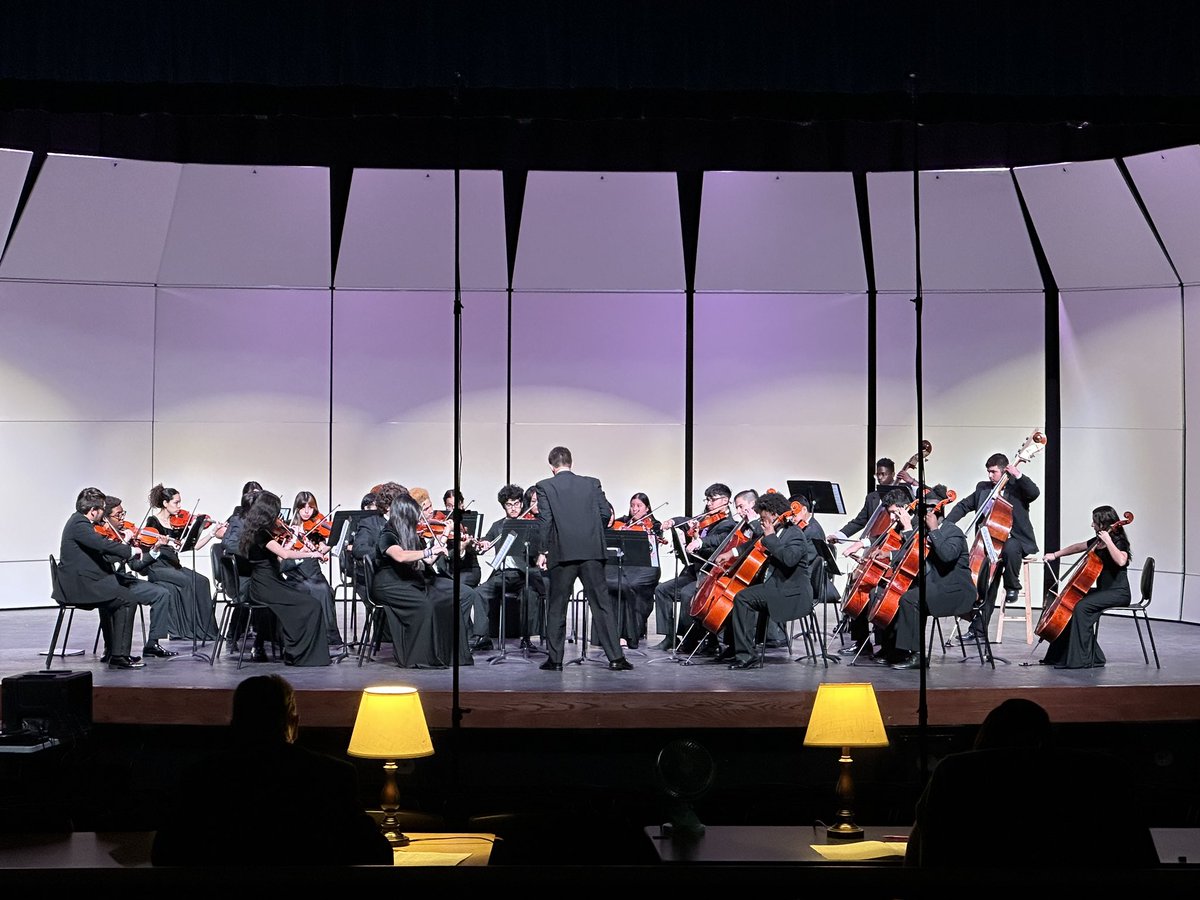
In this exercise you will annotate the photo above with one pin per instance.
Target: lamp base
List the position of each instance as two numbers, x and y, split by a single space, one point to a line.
396 838
845 831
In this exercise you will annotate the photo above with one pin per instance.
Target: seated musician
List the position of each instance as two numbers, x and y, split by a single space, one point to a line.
703 541
307 573
886 481
634 584
784 589
1076 647
194 619
1020 491
948 588
468 562
509 576
158 597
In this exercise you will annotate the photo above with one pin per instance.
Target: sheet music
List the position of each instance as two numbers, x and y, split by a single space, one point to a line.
502 561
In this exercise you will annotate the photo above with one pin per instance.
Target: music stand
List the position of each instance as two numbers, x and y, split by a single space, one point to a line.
514 533
627 547
827 566
822 496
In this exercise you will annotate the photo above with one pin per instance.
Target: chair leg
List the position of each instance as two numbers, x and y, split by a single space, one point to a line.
1149 634
54 636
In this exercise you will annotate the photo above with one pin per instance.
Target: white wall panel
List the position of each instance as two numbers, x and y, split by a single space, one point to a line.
399 231
94 219
1091 228
973 235
394 356
14 166
611 358
27 584
1105 338
592 231
49 463
1169 184
249 226
227 355
1191 354
1188 604
785 231
76 351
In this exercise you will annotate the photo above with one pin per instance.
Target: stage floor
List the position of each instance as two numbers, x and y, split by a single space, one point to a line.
659 693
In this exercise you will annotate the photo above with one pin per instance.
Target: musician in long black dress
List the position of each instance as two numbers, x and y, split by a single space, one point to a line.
300 616
948 587
418 604
1076 646
784 590
635 584
1020 491
307 573
194 617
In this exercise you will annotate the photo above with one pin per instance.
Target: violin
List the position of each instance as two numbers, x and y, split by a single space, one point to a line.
106 528
705 520
317 528
1080 579
182 518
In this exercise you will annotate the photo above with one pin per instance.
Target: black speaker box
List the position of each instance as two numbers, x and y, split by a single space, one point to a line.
58 703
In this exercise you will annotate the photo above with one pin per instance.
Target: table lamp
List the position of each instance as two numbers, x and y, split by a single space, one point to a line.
845 715
390 725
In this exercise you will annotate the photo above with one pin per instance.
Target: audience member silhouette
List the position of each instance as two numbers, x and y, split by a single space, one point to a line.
308 810
1065 807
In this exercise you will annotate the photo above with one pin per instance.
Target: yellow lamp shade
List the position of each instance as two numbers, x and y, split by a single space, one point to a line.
845 715
390 725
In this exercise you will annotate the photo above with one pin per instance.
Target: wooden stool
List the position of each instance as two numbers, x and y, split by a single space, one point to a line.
1028 616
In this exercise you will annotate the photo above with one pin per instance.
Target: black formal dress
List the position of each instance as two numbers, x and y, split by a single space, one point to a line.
1076 647
572 514
85 570
301 620
948 588
308 813
635 586
307 575
193 616
785 591
1020 492
420 609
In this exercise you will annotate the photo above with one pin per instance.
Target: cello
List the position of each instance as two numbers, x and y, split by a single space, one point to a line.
714 601
874 565
884 607
1080 579
994 520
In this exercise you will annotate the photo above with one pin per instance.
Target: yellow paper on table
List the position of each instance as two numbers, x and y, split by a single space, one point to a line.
427 858
861 850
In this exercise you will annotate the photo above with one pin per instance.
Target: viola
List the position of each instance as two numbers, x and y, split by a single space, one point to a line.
182 518
106 528
1080 578
887 603
995 518
706 520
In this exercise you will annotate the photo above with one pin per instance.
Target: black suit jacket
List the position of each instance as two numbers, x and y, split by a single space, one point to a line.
85 561
1020 492
787 573
948 586
573 513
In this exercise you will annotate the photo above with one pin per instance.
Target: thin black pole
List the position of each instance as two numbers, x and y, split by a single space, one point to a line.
456 712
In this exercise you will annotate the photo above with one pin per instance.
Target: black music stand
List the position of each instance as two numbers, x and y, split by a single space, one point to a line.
524 533
628 547
822 496
826 567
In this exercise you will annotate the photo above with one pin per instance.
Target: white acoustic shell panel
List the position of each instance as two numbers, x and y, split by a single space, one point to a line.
94 219
76 352
242 355
592 231
249 226
399 231
14 166
1091 228
973 235
1169 184
787 231
1190 481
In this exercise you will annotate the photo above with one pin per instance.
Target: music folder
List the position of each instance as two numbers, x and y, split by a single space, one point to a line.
822 496
631 547
347 520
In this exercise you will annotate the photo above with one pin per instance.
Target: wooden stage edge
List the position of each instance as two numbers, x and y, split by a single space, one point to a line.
725 709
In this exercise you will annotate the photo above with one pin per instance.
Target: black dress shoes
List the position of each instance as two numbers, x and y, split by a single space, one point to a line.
620 665
259 655
157 649
727 654
742 666
527 644
482 643
912 661
550 666
664 644
126 662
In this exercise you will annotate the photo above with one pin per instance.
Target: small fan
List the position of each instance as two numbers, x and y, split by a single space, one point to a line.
685 771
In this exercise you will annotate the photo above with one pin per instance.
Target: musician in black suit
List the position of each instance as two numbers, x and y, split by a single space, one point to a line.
573 513
509 575
1020 491
156 596
886 480
85 569
785 589
948 588
702 544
